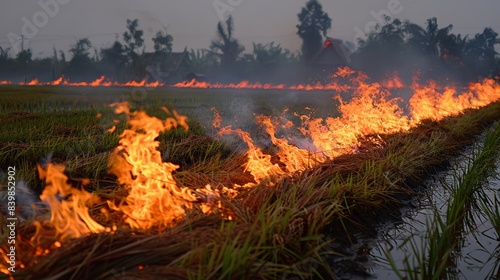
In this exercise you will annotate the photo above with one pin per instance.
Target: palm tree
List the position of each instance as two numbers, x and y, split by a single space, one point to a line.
479 52
483 44
383 46
202 60
270 53
453 46
428 40
228 48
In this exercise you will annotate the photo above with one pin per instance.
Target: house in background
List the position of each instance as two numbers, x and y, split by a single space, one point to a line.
168 68
335 53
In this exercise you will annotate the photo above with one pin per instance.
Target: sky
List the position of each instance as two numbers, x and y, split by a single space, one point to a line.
192 23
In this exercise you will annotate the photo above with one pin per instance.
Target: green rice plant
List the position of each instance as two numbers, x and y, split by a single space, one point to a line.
492 211
429 254
435 255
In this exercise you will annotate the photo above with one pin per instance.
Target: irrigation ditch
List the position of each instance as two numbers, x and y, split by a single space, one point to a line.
449 230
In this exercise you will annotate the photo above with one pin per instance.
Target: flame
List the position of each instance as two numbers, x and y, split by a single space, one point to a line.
334 85
294 158
259 164
241 85
429 103
344 72
69 207
154 199
99 82
58 81
30 83
370 111
393 82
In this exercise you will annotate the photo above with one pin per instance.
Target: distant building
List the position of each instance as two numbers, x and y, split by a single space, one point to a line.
168 67
335 53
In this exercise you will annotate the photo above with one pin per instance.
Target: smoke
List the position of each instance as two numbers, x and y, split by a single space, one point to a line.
27 202
242 109
46 160
302 143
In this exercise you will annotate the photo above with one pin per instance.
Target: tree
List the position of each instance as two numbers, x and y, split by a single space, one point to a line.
4 55
163 42
115 57
81 48
270 54
453 46
62 56
5 60
54 55
480 54
202 60
314 23
133 38
483 45
385 40
24 57
428 40
385 50
229 48
80 65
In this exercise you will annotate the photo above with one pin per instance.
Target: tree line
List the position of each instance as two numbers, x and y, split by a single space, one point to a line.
430 50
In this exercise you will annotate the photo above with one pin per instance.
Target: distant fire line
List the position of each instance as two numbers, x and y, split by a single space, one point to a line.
393 83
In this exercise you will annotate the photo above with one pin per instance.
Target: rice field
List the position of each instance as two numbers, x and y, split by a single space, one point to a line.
309 224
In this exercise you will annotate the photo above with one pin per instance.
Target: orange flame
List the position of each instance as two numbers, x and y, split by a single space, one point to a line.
69 207
154 199
370 111
428 103
241 85
99 82
393 82
294 158
344 72
259 164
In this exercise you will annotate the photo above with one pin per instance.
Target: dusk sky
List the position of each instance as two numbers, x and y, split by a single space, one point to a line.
192 23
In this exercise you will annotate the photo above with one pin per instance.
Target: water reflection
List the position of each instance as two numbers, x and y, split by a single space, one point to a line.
476 255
